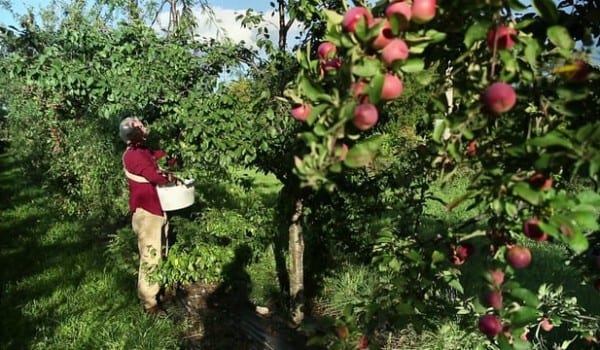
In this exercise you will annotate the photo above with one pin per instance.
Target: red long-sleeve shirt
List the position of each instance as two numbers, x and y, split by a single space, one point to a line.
140 160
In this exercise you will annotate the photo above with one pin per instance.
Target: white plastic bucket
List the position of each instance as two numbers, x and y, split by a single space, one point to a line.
176 196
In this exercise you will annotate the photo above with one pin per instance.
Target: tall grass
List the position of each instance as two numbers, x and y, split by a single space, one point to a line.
58 289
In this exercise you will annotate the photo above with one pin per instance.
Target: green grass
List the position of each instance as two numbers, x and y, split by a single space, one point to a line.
58 291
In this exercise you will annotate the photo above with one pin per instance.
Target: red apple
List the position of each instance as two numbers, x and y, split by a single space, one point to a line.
472 148
331 64
465 250
402 10
546 324
518 257
341 151
496 277
353 15
385 33
525 334
580 72
490 325
326 51
502 36
423 11
499 98
363 342
597 285
540 181
532 229
392 87
493 298
358 91
365 116
396 50
301 112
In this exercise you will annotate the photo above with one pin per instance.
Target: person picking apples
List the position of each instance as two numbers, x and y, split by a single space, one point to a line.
149 221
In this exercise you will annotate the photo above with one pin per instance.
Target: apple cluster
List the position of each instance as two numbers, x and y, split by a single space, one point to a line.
388 47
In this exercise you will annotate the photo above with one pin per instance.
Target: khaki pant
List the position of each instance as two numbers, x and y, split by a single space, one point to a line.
151 230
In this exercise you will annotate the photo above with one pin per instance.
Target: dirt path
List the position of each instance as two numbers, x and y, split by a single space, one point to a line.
218 321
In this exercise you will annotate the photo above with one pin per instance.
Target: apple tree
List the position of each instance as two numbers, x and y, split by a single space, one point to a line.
516 104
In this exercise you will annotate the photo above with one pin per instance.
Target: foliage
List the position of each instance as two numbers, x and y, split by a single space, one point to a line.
205 241
548 137
60 288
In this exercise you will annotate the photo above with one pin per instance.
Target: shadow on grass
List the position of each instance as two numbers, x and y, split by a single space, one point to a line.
46 262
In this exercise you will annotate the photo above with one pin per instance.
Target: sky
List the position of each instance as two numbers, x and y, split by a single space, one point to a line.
225 12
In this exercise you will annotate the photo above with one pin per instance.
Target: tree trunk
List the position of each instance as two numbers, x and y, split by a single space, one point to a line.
296 249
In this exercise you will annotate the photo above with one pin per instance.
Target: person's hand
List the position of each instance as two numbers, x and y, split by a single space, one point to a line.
171 177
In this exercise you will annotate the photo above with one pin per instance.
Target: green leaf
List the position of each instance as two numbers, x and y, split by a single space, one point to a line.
584 133
547 10
362 30
333 17
455 284
560 37
525 295
437 256
309 90
523 190
394 264
517 5
418 48
578 243
363 153
477 31
435 36
511 209
315 113
523 316
553 138
375 87
572 93
520 344
586 220
438 130
367 68
503 343
532 51
413 65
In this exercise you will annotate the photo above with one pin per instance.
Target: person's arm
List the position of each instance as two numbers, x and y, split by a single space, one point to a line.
138 164
158 153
